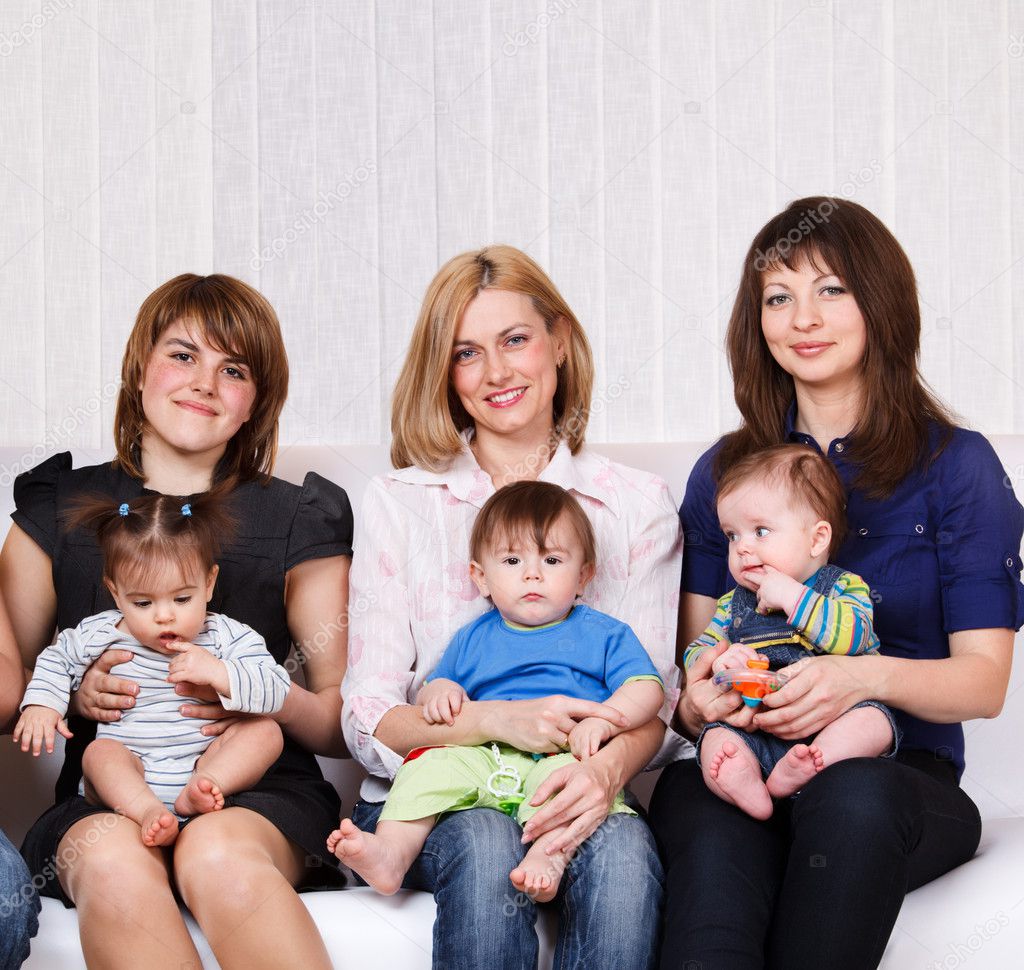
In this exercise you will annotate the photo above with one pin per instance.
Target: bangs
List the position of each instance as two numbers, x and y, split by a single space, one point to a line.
798 237
149 565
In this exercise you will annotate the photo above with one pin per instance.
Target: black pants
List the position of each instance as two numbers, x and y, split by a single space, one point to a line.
820 884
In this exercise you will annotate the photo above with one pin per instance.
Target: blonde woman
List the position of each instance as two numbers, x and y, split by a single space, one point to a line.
204 379
496 388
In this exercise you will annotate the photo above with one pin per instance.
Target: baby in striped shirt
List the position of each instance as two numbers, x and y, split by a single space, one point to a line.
783 511
154 765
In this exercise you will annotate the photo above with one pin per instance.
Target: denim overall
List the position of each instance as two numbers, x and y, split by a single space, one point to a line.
777 641
770 635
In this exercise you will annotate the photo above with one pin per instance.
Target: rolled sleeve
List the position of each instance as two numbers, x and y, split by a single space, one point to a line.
978 542
382 654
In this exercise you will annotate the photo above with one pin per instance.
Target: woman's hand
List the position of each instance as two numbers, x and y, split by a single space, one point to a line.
545 723
582 791
702 702
102 696
213 711
818 690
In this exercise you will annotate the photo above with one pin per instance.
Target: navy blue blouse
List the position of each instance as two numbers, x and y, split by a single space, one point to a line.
941 554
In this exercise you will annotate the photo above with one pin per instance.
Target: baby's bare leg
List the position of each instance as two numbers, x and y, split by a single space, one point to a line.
733 773
234 762
864 732
539 874
116 778
384 857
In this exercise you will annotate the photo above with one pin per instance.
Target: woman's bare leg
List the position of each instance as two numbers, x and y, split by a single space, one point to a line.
127 914
236 873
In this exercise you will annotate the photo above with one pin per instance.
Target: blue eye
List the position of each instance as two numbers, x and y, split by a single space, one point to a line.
833 290
776 299
731 536
761 531
519 338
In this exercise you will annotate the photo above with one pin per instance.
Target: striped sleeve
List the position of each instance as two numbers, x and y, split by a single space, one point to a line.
840 623
58 671
258 684
715 633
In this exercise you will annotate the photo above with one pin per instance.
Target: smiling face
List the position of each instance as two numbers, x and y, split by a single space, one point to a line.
195 397
171 607
529 587
765 526
813 326
505 366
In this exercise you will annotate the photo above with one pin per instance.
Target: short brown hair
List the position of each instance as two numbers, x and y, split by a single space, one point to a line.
808 476
234 318
893 431
530 509
426 413
142 537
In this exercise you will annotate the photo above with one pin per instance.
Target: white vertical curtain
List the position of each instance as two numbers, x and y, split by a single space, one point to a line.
334 154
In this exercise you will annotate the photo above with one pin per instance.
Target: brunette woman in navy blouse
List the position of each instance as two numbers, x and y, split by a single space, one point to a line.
823 345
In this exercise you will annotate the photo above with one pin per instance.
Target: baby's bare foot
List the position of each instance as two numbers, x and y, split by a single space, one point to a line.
735 776
539 874
198 797
159 827
800 764
369 855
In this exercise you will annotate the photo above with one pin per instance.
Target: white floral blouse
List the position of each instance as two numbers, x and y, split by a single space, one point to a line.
411 589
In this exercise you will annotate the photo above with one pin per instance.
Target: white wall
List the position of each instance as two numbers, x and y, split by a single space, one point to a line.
631 146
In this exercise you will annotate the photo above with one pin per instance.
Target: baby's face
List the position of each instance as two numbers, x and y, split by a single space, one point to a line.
171 607
765 526
530 587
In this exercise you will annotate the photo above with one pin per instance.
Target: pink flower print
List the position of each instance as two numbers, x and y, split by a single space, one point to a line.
427 601
615 568
482 486
355 649
641 551
605 479
369 710
460 582
386 565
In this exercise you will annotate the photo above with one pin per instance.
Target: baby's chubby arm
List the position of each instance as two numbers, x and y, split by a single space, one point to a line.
441 700
638 700
36 727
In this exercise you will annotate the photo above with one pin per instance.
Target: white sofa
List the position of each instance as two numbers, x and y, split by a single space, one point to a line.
972 917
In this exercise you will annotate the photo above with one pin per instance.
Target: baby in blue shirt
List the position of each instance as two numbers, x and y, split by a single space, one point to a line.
533 553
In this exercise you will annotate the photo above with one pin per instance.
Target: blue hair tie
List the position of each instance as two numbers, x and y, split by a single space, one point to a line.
186 509
122 509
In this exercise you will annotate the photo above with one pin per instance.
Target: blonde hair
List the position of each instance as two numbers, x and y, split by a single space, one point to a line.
233 318
426 413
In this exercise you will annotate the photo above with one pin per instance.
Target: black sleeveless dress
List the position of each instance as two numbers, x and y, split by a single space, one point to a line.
279 526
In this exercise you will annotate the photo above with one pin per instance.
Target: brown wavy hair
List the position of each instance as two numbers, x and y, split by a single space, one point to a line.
426 413
808 477
529 510
140 538
233 318
892 433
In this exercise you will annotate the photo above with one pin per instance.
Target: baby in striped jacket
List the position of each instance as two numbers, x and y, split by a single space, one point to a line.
783 512
154 765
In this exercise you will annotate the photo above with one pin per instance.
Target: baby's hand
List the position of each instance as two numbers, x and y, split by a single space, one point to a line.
195 665
586 738
442 701
778 591
36 727
735 657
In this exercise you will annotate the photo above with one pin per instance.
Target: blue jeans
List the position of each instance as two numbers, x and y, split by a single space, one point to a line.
19 907
609 903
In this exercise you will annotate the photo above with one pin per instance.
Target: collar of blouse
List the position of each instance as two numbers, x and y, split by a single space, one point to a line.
586 473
